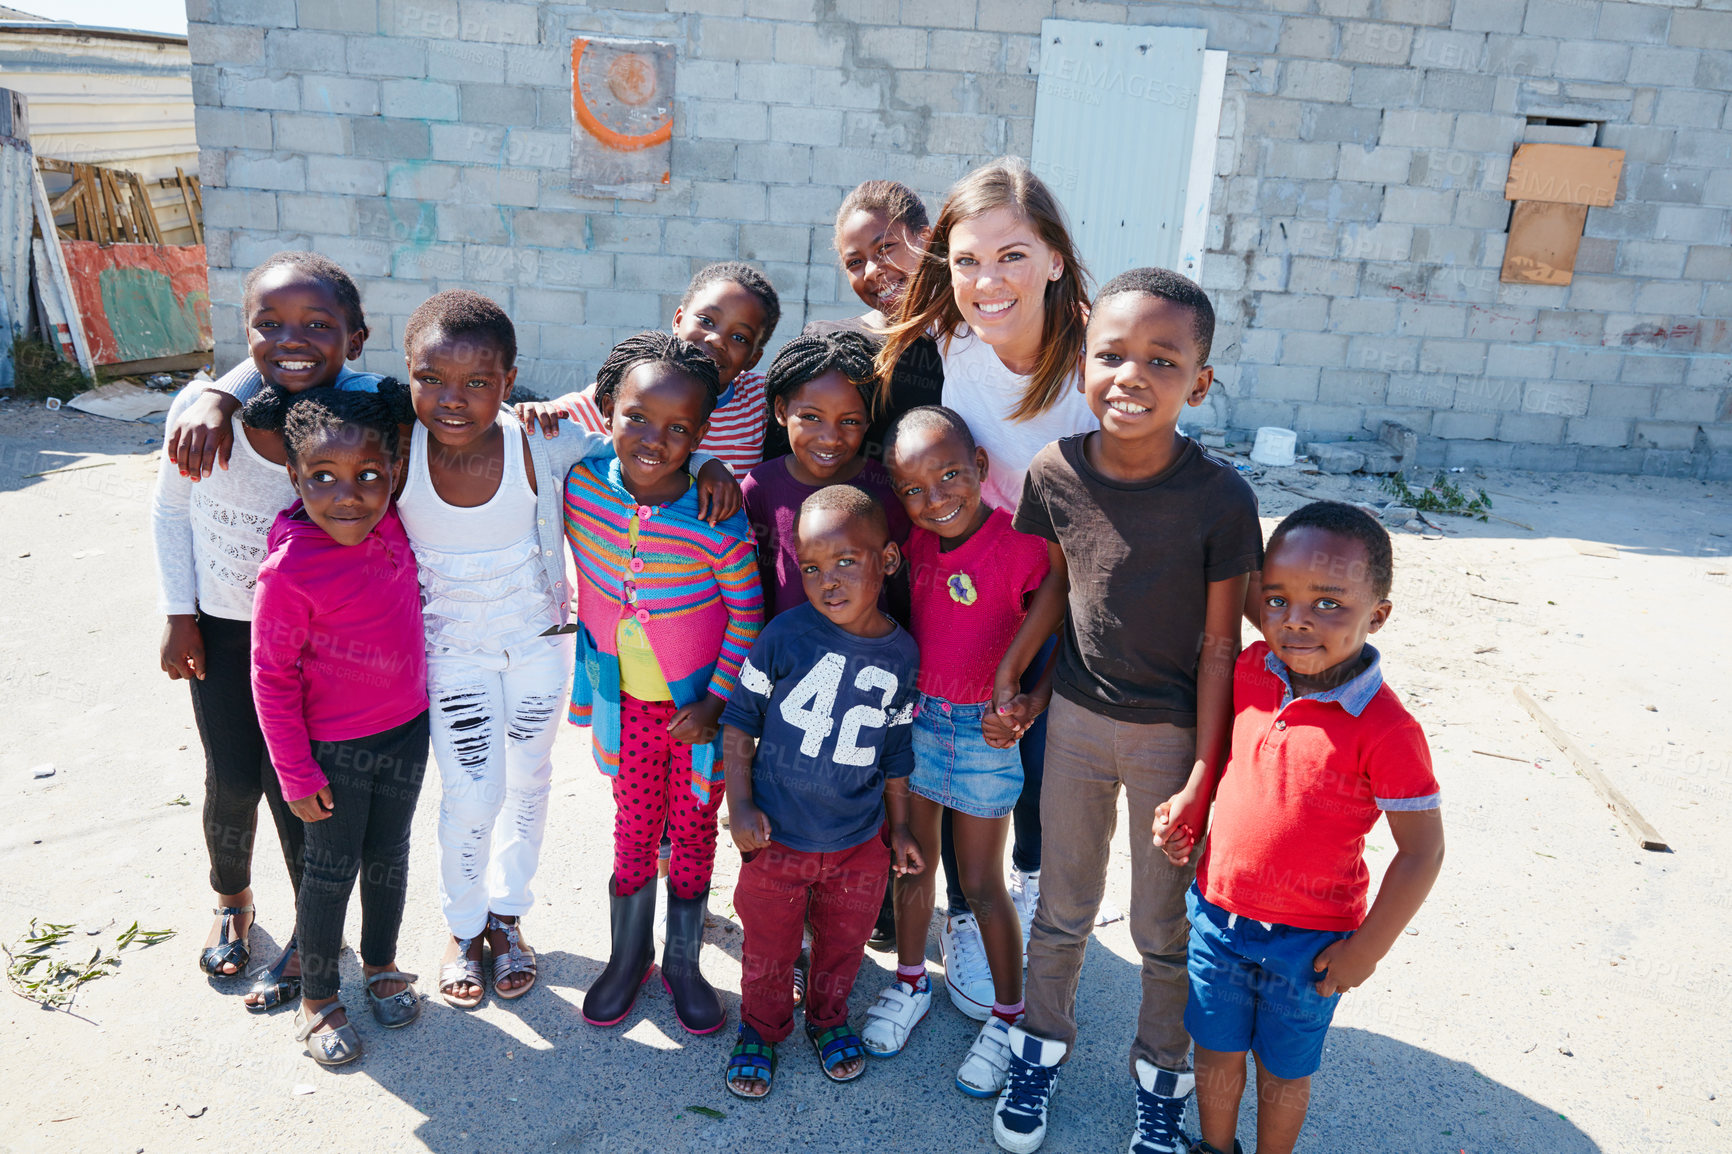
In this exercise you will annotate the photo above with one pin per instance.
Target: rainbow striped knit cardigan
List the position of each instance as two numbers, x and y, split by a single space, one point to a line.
698 586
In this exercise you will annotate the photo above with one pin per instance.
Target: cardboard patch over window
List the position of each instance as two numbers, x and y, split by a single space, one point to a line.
622 105
1553 186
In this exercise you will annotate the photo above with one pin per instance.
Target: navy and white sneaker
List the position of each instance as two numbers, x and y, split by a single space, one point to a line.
1019 1120
1161 1096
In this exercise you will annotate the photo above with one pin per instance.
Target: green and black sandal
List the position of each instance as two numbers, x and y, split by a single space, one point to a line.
837 1045
752 1059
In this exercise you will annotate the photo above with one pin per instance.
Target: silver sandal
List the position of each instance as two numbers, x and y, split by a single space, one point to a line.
394 1011
465 970
333 1047
517 959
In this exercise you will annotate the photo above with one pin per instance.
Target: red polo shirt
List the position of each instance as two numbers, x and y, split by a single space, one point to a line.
1304 784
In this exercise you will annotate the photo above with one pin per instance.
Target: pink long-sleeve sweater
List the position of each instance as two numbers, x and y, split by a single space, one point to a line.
338 645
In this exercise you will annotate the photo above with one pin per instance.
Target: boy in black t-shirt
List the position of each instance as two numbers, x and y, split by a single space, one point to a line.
816 743
1156 541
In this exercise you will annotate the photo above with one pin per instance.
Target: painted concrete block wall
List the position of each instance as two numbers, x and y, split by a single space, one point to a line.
1358 217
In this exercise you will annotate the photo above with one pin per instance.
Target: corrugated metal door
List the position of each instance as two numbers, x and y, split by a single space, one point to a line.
1114 120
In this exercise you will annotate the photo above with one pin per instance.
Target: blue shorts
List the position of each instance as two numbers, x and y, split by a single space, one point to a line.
1253 988
954 766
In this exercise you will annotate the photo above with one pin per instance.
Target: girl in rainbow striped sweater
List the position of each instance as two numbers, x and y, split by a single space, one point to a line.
669 607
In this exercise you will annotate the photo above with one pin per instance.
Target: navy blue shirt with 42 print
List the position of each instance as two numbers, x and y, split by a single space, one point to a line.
833 716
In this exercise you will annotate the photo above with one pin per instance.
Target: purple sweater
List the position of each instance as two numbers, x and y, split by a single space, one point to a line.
338 646
773 499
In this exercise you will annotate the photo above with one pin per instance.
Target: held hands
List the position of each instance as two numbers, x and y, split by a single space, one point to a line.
749 825
203 436
183 649
905 855
718 493
546 413
698 723
315 806
1012 713
1178 821
1341 967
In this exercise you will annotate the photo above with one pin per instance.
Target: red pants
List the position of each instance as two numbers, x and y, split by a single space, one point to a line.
653 791
779 890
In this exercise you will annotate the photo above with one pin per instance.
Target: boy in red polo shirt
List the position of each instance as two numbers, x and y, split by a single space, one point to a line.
1321 747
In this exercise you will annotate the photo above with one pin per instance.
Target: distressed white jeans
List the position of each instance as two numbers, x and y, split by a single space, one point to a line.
494 718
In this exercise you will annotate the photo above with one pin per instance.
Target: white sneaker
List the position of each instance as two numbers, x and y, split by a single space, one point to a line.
983 1071
1025 896
898 1010
967 975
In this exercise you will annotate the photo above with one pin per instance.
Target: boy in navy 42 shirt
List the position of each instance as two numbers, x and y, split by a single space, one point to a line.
1321 748
816 744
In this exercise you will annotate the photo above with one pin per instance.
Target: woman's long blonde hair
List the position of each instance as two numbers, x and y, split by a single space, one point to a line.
929 306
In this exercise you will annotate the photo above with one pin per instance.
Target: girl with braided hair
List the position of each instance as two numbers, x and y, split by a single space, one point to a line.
339 675
820 388
668 606
729 311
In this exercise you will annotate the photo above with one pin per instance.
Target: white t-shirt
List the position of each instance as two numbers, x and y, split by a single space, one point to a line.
984 392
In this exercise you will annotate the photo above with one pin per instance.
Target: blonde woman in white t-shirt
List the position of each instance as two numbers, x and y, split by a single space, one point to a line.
1002 288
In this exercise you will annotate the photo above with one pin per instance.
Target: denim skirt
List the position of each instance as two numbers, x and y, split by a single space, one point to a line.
954 766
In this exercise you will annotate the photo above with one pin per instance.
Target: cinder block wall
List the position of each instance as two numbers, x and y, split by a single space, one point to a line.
1358 217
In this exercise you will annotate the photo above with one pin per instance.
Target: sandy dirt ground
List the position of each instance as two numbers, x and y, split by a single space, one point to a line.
1562 991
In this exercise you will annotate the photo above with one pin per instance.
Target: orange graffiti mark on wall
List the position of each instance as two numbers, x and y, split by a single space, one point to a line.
632 81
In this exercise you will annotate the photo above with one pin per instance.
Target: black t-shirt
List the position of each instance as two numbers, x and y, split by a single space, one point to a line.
918 379
1141 557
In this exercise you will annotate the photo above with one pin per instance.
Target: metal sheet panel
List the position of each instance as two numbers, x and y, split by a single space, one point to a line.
1114 119
119 102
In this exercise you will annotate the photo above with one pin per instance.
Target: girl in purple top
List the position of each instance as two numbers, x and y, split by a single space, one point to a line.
820 389
339 671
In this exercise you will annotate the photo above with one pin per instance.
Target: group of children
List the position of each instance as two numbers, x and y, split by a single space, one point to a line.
971 585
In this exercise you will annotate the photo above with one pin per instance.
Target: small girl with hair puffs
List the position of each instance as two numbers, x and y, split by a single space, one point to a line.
669 607
973 580
820 388
339 672
303 323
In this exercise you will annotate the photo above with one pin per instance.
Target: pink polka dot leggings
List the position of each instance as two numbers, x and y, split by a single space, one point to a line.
653 791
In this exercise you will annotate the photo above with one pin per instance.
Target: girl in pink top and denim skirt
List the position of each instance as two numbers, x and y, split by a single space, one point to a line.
339 672
972 579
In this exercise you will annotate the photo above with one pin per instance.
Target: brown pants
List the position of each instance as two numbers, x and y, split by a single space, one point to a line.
1088 759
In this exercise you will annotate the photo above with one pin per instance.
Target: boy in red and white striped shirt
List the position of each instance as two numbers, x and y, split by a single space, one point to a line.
729 311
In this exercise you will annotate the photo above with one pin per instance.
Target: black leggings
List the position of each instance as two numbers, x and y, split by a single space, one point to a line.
375 782
237 767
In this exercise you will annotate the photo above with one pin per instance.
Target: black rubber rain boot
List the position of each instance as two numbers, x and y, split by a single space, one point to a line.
628 966
695 1001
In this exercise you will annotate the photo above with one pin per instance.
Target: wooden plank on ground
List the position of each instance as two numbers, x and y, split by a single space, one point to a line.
1646 834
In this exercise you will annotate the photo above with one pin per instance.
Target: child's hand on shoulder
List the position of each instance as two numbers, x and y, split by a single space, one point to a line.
749 826
697 723
1341 966
203 435
315 806
546 414
905 855
718 492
